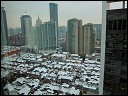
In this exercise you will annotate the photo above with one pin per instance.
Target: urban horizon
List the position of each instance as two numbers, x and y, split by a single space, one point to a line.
13 20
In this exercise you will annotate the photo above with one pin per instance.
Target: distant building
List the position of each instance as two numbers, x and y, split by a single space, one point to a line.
113 78
17 30
97 28
4 28
49 35
11 31
38 34
72 36
53 7
80 38
45 35
62 32
89 39
17 40
26 26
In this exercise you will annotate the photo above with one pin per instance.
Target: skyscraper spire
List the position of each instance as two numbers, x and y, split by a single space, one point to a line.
38 16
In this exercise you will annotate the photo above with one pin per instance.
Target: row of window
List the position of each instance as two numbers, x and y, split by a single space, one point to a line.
117 24
115 36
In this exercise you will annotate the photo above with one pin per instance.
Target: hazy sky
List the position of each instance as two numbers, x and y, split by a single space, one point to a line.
87 11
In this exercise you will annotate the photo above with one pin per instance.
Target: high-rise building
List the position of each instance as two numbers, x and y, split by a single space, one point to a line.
62 32
52 35
4 28
72 36
80 38
97 28
38 34
26 26
89 39
45 39
49 35
113 78
54 15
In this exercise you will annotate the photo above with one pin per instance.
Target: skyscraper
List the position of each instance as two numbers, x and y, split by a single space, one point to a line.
45 39
72 36
113 78
49 34
52 34
4 28
80 38
89 39
26 26
38 34
54 15
97 28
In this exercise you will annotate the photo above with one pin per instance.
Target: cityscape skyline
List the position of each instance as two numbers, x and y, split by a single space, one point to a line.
42 10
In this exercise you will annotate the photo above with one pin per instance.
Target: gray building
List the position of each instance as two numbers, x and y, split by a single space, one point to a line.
54 15
11 31
113 78
44 29
4 28
26 26
49 35
72 36
97 28
38 34
89 39
62 32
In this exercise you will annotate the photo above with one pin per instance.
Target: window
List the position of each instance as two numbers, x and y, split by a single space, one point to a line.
124 46
124 55
110 23
125 37
108 37
119 24
112 62
113 46
115 25
113 54
124 25
124 72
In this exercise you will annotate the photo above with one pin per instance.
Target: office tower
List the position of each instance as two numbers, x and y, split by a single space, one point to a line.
26 26
97 28
52 34
44 29
38 33
80 38
54 15
62 32
113 78
4 28
89 39
49 35
73 36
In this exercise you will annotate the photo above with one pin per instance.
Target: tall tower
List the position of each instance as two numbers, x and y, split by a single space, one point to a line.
72 36
26 26
38 33
113 78
4 28
52 34
89 39
54 15
80 38
49 35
